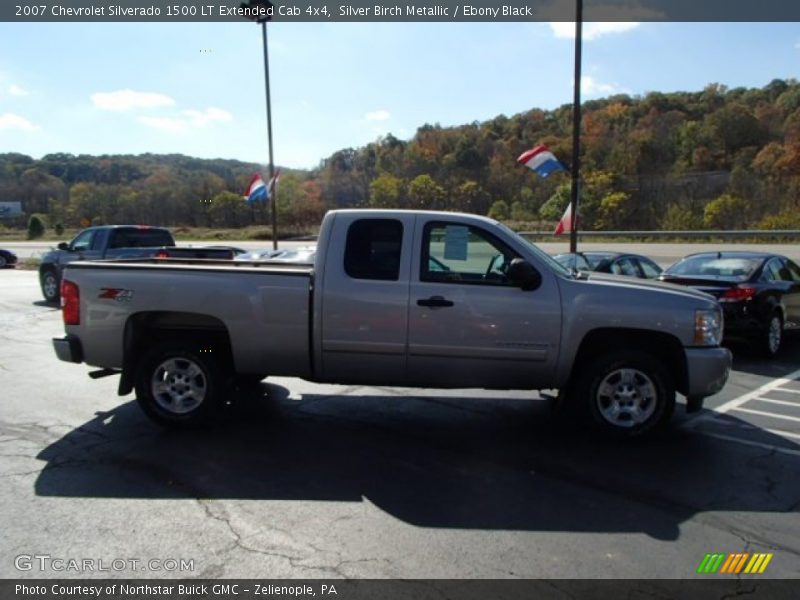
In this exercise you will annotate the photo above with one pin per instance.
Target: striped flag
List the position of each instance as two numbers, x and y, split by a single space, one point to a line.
256 190
541 161
565 224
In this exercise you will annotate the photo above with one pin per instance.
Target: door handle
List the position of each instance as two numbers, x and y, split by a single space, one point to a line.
434 302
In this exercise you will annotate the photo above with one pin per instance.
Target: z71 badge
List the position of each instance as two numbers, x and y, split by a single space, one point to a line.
117 294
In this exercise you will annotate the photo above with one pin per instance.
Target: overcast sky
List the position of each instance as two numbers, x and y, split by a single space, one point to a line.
198 89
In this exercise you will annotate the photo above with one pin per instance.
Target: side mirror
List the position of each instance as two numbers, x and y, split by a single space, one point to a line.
63 246
524 274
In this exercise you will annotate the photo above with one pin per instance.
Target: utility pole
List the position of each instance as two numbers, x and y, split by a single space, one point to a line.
576 130
266 10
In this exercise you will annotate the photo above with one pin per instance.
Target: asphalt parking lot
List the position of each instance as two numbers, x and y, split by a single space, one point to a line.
306 480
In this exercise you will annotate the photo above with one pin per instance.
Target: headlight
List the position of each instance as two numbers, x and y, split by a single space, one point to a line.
708 327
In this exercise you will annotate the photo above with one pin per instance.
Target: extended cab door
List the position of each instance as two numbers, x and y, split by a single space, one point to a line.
364 310
469 326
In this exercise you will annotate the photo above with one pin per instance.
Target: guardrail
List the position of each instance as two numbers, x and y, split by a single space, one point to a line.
711 234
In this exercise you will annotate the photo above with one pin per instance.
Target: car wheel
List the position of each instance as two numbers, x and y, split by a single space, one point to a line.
177 387
771 339
3 262
627 393
50 285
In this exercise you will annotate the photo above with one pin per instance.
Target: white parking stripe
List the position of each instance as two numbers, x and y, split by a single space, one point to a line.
766 414
784 433
789 391
730 438
782 402
736 402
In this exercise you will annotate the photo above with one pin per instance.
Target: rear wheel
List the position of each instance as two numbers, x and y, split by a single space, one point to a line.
179 387
50 284
770 340
627 393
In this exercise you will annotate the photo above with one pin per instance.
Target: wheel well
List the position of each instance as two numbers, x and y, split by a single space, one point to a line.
143 331
662 346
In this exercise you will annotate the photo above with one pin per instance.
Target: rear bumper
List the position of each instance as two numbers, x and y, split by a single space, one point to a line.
68 349
708 370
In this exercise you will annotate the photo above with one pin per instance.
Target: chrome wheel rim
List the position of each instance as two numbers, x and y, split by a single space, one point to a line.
50 285
774 335
626 398
179 385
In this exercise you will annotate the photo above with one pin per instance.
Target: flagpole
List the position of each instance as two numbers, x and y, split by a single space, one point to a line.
576 130
272 193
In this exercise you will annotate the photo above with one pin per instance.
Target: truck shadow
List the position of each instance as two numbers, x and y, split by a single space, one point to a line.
441 462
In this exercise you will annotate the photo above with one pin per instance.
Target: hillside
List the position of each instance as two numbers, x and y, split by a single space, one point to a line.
718 158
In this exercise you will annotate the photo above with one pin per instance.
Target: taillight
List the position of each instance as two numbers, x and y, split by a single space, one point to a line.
740 292
70 303
162 254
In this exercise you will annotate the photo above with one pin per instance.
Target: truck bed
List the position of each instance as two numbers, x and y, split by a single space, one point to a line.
263 308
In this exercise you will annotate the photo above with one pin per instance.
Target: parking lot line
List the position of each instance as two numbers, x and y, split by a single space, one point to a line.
781 402
736 402
738 440
791 391
736 405
764 413
784 433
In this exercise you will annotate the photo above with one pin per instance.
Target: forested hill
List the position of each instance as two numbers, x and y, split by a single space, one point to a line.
716 158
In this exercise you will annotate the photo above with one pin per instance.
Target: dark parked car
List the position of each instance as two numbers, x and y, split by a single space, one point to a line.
618 263
7 259
759 292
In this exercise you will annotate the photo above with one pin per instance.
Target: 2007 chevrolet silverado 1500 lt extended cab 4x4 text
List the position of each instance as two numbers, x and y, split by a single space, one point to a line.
397 298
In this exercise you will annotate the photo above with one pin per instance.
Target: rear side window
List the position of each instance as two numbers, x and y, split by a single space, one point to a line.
140 238
373 249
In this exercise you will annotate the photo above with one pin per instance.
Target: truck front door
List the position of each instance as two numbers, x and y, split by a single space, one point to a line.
469 326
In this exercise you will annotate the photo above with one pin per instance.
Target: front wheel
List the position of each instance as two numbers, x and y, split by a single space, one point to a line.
178 387
627 393
50 285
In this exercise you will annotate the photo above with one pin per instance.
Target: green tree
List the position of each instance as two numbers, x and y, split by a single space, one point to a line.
726 212
681 218
36 227
616 212
386 191
499 210
425 193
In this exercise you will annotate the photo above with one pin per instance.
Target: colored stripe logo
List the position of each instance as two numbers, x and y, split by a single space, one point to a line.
735 564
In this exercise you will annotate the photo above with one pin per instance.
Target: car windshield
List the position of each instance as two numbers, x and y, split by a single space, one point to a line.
595 258
549 260
715 267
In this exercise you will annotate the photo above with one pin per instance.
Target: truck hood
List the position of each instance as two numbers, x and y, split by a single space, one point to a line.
646 285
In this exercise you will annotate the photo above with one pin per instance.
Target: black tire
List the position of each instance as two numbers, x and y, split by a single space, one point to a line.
770 341
50 284
626 393
179 386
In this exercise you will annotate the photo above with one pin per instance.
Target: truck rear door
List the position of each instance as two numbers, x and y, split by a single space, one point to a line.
364 312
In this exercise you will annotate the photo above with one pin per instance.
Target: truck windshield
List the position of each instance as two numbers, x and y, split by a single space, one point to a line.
546 258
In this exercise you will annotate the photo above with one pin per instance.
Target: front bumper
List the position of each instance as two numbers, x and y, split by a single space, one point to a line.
68 349
707 370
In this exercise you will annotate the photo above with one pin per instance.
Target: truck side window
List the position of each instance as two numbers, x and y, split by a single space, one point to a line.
373 249
462 254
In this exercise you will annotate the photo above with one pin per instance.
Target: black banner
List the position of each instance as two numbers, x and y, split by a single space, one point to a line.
416 589
396 10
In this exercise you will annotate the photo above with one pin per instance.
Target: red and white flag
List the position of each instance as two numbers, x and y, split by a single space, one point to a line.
565 224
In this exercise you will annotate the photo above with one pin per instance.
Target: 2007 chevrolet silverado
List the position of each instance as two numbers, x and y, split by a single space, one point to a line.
403 298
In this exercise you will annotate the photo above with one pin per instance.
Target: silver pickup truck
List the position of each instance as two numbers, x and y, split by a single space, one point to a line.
397 298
